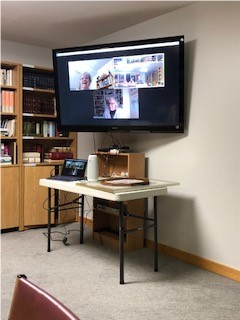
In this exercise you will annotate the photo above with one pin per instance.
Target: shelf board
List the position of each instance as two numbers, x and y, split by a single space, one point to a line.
8 138
3 86
46 138
39 164
38 90
8 114
38 115
8 165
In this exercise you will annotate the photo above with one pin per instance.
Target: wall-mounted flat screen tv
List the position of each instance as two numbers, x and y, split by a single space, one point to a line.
126 86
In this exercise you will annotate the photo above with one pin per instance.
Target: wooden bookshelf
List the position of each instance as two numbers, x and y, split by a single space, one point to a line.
34 103
10 166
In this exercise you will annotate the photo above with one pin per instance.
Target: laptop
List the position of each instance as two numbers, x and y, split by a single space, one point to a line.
72 170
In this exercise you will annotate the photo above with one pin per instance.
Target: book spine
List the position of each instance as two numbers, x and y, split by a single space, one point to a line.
3 96
11 101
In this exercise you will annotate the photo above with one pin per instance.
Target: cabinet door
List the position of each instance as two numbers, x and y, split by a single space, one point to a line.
10 197
35 197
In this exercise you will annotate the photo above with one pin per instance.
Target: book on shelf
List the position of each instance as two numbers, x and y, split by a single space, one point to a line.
39 80
31 160
49 129
5 159
42 129
7 101
58 155
11 127
8 127
36 105
31 157
31 154
33 148
4 132
6 78
60 149
29 128
9 150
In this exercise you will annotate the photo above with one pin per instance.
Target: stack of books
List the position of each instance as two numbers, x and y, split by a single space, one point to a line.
7 127
31 157
5 159
57 154
8 153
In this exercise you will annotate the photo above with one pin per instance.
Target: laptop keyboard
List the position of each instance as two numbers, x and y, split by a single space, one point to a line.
65 178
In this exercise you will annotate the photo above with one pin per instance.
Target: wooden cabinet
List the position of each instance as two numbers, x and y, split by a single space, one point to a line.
28 107
10 196
34 197
105 213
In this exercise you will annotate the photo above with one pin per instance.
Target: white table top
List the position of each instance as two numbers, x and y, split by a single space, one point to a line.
114 193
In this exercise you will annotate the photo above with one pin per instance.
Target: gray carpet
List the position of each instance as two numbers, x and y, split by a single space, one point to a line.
86 279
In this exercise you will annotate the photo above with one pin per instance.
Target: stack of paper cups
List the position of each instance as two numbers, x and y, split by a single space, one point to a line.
92 168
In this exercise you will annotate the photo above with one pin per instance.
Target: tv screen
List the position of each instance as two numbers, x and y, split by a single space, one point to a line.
124 86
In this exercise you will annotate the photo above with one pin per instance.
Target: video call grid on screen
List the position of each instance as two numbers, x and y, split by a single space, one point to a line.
126 73
138 71
125 76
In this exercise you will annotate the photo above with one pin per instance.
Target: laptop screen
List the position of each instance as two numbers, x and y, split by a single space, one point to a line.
74 167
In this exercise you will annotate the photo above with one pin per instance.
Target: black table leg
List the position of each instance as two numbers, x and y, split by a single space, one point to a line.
49 220
56 199
82 220
155 235
121 241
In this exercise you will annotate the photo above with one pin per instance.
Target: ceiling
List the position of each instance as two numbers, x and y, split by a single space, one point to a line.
57 24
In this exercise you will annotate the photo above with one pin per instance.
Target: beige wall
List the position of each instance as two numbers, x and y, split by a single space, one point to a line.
202 215
26 54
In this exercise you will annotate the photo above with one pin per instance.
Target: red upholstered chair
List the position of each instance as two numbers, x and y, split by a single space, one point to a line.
32 303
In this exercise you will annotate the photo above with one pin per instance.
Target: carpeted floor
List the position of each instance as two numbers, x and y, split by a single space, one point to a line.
86 279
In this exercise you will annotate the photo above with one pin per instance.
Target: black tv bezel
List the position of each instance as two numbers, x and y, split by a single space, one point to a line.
178 128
